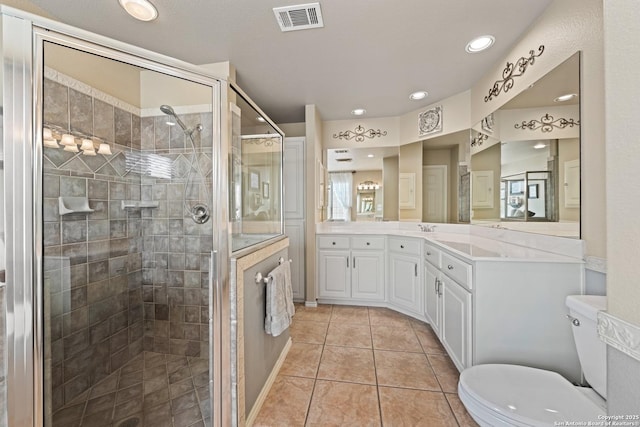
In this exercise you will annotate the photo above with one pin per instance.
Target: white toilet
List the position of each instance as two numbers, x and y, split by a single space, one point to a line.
513 395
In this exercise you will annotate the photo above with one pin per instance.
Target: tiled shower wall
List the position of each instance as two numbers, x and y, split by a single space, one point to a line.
177 251
120 281
93 262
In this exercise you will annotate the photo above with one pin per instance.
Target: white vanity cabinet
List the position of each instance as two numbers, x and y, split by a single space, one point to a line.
351 268
448 303
405 275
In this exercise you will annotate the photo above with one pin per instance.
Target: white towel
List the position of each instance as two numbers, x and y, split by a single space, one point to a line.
279 302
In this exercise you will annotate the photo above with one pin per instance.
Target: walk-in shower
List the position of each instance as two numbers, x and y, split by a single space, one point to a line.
127 276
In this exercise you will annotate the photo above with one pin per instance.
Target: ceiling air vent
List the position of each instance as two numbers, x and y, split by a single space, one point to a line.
299 17
342 151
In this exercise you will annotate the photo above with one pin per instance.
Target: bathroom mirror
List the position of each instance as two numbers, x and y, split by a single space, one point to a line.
525 158
357 179
256 176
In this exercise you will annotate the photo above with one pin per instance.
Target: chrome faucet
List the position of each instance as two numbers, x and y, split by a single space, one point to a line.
427 228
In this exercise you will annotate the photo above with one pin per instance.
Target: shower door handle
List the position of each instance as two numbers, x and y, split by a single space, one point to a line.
213 280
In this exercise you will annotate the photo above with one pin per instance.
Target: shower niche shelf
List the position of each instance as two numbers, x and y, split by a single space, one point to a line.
139 204
71 205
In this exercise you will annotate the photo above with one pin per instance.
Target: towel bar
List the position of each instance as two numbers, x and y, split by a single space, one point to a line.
259 278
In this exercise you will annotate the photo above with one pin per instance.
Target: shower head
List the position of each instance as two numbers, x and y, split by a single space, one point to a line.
169 111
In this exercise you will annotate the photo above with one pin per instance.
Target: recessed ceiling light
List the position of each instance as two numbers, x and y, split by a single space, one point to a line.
417 96
358 111
539 145
564 98
480 43
260 119
370 155
142 10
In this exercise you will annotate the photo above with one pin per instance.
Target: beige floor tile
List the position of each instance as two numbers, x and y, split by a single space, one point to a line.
445 371
287 402
322 313
308 332
394 338
347 364
401 369
349 335
460 412
343 404
350 314
428 340
386 317
302 360
405 407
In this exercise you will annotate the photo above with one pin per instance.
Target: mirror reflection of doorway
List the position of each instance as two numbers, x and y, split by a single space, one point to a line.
434 193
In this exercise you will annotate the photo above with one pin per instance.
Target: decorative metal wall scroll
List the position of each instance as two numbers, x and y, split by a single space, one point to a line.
547 123
359 134
430 121
513 70
488 123
479 139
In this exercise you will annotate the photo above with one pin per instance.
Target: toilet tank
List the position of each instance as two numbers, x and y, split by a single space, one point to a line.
592 351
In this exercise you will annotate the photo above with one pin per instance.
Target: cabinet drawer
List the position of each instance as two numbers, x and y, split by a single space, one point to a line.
458 270
367 242
432 254
405 246
333 242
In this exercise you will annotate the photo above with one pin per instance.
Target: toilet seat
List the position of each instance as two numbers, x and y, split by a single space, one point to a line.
513 395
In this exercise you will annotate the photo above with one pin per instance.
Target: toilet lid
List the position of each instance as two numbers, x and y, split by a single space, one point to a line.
526 395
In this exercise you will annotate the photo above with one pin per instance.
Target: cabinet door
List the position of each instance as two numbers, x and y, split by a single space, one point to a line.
334 274
295 231
404 274
367 275
432 306
456 323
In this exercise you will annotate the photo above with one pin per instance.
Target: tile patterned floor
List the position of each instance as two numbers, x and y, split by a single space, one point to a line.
156 389
363 366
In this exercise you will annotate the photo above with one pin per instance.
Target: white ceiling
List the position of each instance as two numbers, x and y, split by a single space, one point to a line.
370 53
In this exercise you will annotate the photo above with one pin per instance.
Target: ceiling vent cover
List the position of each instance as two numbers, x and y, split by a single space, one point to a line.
299 17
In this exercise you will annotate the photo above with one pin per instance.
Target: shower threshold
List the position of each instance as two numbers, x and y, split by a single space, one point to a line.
152 389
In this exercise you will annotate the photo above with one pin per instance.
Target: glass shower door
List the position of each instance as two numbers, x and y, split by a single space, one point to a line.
128 235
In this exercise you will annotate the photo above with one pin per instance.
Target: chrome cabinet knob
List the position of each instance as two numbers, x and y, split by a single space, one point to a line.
574 321
450 267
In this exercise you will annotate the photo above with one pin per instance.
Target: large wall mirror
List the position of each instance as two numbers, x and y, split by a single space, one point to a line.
525 158
418 182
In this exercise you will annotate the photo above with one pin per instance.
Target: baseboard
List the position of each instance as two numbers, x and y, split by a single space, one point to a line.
311 304
267 385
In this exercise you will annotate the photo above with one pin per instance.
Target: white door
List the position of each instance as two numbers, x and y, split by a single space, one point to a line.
434 193
405 292
432 298
455 331
367 275
334 274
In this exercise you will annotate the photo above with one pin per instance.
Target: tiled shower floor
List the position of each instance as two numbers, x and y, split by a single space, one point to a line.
153 389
